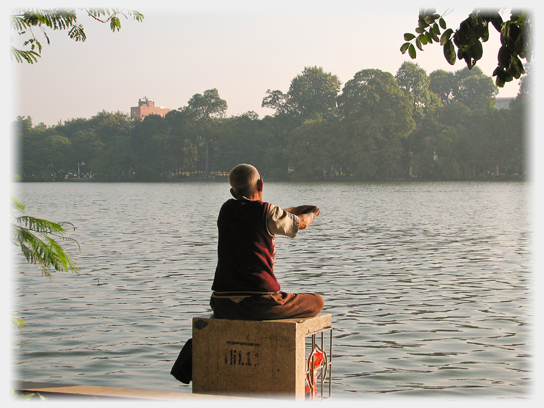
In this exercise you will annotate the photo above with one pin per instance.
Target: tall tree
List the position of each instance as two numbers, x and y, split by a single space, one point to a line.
94 136
206 110
316 148
243 139
311 93
474 89
470 87
207 105
519 126
414 81
45 153
376 113
443 84
150 148
182 146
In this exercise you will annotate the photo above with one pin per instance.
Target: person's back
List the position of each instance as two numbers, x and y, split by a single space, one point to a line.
245 286
246 249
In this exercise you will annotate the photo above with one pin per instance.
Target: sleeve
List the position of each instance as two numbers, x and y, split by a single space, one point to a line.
281 222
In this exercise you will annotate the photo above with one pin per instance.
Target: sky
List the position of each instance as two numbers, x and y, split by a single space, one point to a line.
241 48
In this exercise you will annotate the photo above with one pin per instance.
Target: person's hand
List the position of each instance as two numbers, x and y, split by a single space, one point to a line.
307 215
304 209
316 211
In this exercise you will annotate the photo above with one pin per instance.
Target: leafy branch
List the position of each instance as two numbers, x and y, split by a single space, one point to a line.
112 16
37 239
465 43
23 21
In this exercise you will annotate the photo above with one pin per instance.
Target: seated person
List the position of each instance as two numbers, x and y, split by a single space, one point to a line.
244 285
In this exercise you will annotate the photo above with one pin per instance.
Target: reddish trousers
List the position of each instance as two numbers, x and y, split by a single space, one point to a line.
279 305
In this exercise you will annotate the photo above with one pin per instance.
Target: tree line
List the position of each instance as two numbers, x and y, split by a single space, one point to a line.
377 126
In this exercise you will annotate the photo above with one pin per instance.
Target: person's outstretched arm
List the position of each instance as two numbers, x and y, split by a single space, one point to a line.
305 213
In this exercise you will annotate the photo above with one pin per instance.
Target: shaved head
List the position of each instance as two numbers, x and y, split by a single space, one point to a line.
243 180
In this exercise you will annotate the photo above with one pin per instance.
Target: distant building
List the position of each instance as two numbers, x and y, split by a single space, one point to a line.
503 103
146 107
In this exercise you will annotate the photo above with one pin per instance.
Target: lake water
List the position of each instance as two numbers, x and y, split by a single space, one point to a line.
428 284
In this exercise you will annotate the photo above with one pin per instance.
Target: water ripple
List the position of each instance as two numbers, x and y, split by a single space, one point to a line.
428 284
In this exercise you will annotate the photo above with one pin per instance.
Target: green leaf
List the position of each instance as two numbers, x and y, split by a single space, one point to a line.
504 57
433 36
442 23
501 75
19 206
137 15
477 50
460 53
404 47
21 55
485 34
409 36
449 52
424 40
446 36
418 43
420 30
77 33
34 237
412 51
429 37
115 24
520 45
516 67
505 33
422 23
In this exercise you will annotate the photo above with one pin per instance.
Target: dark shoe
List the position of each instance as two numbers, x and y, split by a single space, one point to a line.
183 367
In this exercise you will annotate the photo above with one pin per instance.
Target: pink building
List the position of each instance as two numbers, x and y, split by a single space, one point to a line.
146 107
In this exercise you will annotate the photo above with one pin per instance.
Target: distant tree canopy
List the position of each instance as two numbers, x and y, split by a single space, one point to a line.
376 127
414 81
24 20
465 43
311 94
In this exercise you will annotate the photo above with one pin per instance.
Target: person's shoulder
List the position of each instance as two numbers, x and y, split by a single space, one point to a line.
243 202
228 202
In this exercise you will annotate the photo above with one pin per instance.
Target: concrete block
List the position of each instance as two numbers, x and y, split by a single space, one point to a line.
244 357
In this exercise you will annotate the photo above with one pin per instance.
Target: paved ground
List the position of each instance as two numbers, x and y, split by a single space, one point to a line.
64 391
